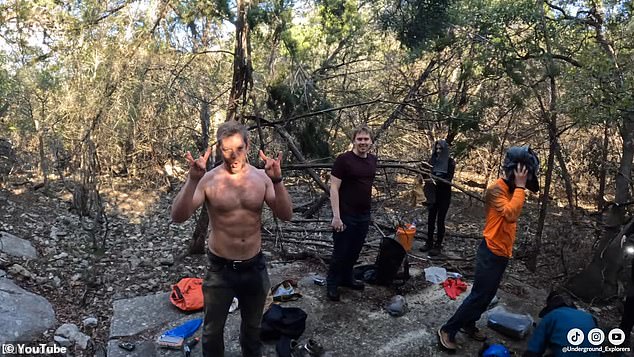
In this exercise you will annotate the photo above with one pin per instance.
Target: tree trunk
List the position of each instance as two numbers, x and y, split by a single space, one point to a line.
550 116
603 171
624 176
201 232
567 180
41 152
531 261
242 67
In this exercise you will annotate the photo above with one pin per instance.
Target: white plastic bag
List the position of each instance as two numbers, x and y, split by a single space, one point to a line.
435 275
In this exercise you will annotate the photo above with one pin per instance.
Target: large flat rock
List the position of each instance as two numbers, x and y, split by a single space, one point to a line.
16 247
24 316
133 316
359 325
141 349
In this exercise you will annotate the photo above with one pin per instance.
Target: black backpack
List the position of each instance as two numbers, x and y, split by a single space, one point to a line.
385 270
388 263
281 321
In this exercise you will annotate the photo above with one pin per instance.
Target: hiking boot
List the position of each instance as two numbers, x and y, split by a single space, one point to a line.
427 247
297 350
314 348
435 251
474 333
445 342
354 285
333 293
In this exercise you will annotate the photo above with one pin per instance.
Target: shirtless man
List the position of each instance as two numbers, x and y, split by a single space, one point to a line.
234 193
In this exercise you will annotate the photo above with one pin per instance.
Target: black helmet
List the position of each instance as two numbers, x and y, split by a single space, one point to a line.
526 156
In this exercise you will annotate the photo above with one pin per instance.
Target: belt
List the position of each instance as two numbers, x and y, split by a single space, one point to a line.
234 264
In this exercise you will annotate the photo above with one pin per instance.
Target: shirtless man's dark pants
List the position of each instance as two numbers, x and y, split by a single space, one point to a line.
249 282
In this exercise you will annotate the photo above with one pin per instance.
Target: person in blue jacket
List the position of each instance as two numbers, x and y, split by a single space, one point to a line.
551 335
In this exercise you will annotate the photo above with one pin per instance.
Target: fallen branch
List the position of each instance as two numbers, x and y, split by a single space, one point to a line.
316 205
387 165
410 94
298 154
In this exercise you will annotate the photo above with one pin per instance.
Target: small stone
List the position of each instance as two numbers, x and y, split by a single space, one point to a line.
81 340
90 322
61 255
75 277
19 270
62 341
134 262
67 330
167 260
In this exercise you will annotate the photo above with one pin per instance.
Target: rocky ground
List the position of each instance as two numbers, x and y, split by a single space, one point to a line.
82 271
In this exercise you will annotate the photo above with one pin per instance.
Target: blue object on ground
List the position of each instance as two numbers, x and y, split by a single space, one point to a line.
186 329
496 350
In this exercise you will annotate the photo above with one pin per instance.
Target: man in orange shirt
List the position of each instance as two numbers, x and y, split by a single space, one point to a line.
503 203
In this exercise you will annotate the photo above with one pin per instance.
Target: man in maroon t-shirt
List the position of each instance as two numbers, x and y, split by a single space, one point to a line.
350 197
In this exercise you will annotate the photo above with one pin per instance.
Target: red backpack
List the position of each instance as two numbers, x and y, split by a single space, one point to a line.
187 295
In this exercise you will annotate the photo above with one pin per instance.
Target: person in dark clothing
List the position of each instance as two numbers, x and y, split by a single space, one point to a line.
627 320
350 197
443 166
559 317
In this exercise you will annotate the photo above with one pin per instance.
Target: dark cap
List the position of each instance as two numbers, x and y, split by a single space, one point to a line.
556 300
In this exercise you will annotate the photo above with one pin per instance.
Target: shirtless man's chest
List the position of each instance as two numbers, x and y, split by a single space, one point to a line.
234 203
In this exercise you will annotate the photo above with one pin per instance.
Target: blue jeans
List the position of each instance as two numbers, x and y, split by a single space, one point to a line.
488 275
347 247
225 280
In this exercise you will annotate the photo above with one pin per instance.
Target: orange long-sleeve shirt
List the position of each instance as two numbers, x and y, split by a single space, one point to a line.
502 211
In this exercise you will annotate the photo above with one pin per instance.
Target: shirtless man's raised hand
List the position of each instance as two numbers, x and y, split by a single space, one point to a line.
234 193
198 167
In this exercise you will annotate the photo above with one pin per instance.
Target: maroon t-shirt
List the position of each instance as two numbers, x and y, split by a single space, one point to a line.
356 175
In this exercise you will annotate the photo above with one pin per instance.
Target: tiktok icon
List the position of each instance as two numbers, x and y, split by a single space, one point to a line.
575 337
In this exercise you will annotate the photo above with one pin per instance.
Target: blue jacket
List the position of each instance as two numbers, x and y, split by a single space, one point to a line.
552 332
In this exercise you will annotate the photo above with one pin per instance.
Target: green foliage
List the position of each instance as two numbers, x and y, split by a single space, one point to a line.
311 132
311 140
281 100
462 147
419 24
192 10
307 56
339 18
